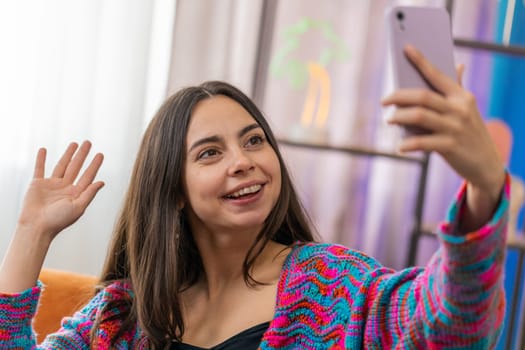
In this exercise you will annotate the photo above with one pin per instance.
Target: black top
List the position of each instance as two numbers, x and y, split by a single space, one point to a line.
248 339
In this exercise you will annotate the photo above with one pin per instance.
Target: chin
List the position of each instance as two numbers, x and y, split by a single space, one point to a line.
251 224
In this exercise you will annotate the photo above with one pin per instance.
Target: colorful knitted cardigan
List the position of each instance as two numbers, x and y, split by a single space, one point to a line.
332 297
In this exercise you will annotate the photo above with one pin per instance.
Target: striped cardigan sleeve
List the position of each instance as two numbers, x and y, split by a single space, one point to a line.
17 312
16 315
456 302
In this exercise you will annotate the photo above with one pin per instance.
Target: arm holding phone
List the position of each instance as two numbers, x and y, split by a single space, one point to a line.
468 271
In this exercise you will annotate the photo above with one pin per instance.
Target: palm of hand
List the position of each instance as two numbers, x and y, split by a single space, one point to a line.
52 204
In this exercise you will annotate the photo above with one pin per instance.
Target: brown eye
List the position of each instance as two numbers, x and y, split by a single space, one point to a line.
208 153
255 140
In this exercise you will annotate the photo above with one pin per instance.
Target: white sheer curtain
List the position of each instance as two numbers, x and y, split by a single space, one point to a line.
72 70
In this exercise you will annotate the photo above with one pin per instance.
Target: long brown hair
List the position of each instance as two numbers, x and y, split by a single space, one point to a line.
152 246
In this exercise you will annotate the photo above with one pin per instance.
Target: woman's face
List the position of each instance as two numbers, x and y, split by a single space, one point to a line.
232 174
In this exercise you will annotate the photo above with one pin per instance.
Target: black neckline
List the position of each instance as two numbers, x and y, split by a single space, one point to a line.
256 328
280 284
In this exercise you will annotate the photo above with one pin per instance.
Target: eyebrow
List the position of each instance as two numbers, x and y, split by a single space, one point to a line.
215 138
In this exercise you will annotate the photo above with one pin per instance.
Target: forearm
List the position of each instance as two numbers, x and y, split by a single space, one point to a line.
23 260
463 296
458 302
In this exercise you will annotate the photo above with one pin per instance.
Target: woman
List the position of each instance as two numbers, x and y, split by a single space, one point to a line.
212 248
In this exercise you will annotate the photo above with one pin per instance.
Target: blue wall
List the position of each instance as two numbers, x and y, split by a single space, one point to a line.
507 103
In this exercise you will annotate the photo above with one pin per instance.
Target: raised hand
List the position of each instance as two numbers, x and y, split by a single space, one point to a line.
50 205
457 133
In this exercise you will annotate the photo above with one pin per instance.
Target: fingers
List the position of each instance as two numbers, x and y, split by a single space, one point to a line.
70 164
440 143
65 173
417 97
63 163
76 163
422 118
88 194
40 164
432 110
91 171
437 79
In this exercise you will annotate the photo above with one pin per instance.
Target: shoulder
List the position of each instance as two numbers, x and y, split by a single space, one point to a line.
324 256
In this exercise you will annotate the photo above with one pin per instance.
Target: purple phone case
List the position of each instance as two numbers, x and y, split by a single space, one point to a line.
426 28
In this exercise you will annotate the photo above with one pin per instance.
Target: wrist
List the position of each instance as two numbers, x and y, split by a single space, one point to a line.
495 185
488 193
33 234
481 202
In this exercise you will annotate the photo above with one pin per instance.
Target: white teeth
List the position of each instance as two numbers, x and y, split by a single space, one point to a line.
246 190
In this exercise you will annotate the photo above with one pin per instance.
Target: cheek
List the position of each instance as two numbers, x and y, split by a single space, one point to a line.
191 187
200 185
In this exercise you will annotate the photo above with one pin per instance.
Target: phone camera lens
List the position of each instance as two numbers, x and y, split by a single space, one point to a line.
400 15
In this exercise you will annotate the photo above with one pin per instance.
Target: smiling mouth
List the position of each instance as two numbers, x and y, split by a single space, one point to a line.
244 192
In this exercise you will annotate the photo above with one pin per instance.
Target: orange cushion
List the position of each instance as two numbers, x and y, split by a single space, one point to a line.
63 294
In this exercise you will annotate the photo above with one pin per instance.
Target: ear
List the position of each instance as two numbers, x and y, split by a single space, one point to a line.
180 204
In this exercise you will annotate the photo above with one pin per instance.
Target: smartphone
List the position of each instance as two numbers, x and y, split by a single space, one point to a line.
428 29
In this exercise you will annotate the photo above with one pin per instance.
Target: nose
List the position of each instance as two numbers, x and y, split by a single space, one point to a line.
241 162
